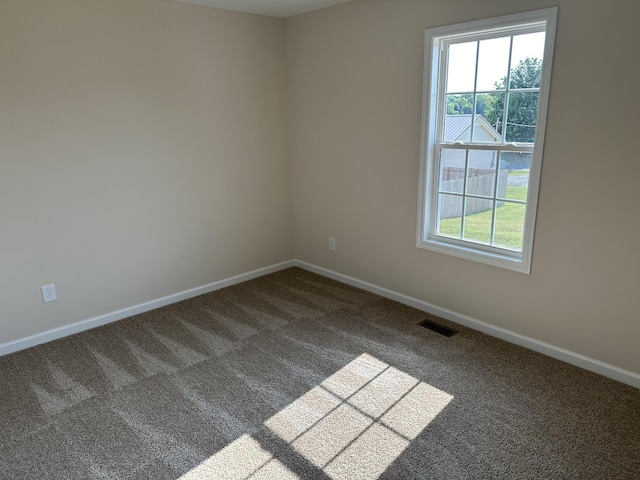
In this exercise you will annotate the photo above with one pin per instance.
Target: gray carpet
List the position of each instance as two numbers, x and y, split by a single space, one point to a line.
295 376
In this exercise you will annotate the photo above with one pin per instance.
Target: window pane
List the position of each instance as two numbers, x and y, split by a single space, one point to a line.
493 63
481 174
509 225
457 121
489 117
526 61
522 114
461 68
452 167
530 45
526 74
449 215
477 220
517 183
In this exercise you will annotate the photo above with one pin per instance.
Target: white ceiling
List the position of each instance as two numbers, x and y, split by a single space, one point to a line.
273 8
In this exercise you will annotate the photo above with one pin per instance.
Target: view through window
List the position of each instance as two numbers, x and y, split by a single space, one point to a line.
485 108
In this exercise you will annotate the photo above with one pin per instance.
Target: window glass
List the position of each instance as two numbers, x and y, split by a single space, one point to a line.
493 64
461 67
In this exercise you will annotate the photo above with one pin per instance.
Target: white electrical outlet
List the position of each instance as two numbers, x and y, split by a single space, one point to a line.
48 293
332 244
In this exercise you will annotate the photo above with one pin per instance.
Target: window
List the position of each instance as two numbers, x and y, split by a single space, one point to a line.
486 91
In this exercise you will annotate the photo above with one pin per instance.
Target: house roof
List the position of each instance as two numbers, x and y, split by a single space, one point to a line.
457 125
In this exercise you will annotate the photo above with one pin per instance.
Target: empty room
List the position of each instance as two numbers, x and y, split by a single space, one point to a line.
319 239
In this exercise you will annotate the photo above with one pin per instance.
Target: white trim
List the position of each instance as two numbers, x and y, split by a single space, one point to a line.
94 322
489 24
582 361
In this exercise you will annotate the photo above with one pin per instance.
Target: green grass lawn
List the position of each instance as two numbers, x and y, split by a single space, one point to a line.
508 228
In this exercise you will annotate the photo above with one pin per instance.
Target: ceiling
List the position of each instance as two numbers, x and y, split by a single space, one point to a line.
273 8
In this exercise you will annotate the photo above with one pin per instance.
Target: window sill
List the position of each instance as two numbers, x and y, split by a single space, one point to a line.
517 264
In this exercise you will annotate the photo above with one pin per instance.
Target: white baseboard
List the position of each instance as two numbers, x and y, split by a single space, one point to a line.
83 325
596 366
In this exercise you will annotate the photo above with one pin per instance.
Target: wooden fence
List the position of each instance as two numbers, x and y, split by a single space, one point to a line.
479 182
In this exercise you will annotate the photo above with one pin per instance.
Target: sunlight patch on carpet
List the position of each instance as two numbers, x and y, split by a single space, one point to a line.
242 459
360 419
353 425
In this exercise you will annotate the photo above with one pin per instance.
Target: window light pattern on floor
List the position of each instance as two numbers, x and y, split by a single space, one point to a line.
242 459
353 425
360 419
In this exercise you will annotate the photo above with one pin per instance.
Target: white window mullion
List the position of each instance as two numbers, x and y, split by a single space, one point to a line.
464 194
441 106
506 95
434 225
474 98
495 196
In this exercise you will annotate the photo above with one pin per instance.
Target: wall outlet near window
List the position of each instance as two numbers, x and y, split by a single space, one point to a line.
48 293
332 244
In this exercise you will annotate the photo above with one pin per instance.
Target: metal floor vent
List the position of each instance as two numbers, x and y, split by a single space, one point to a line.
442 330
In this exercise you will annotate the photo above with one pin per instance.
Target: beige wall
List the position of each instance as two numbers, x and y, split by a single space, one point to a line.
355 94
143 152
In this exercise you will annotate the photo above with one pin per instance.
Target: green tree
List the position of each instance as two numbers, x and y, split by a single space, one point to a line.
462 104
459 104
523 106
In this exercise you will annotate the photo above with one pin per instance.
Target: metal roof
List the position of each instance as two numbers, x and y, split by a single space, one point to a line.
457 125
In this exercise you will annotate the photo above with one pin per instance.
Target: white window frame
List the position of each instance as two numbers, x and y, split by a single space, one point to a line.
433 103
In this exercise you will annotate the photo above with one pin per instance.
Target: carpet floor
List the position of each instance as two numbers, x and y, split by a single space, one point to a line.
295 376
